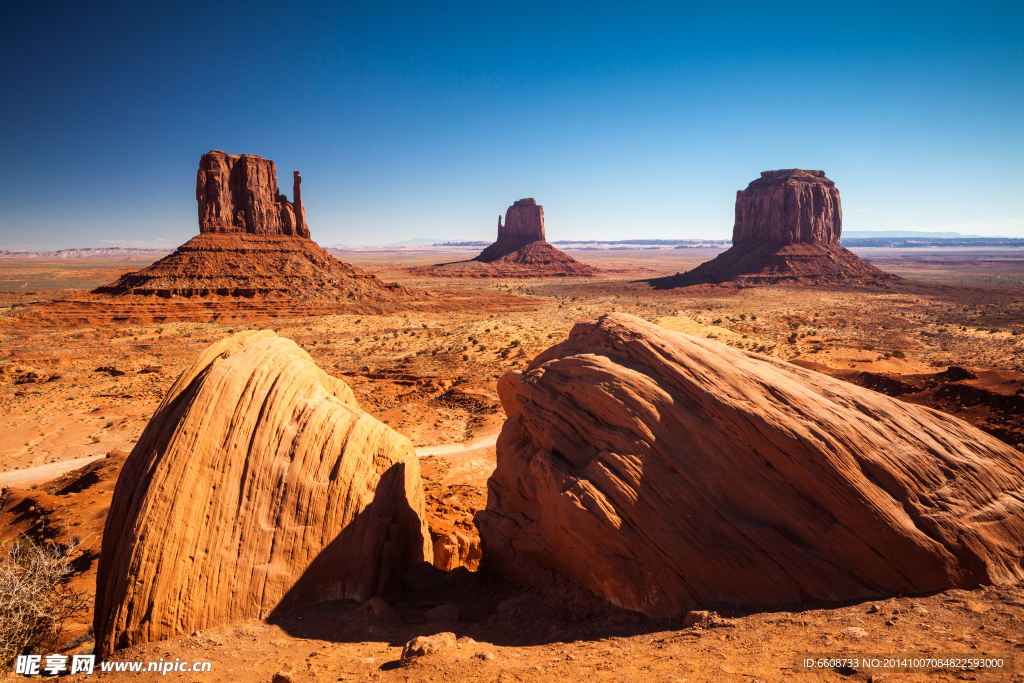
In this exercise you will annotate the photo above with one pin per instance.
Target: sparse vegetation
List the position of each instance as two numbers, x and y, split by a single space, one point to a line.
35 600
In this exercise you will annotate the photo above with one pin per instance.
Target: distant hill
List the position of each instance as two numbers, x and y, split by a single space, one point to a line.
871 234
97 253
917 241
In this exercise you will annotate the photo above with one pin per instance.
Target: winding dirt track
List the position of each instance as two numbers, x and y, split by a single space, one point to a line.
37 475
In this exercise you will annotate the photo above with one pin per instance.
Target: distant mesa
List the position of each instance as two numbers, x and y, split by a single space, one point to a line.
665 471
787 229
521 250
253 243
524 224
258 486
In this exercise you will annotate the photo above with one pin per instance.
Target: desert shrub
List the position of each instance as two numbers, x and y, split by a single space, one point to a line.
35 600
898 354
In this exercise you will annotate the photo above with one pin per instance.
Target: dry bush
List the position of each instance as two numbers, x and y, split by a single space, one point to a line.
35 600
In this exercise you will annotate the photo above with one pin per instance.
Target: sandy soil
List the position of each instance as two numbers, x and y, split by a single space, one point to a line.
83 390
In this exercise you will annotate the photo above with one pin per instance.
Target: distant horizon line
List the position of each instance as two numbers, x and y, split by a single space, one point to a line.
427 242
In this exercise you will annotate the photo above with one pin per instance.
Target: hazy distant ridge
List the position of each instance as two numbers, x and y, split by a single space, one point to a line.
99 252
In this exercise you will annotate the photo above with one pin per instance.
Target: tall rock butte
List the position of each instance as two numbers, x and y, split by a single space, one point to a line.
237 193
254 244
259 485
521 250
524 224
664 471
787 229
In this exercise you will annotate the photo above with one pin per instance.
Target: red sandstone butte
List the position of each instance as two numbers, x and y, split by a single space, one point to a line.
791 206
787 229
237 193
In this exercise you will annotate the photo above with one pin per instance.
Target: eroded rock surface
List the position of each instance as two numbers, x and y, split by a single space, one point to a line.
664 471
258 485
520 251
254 244
237 193
789 206
787 230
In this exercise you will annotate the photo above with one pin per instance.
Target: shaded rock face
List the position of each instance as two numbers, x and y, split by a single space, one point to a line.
238 193
790 206
259 485
664 471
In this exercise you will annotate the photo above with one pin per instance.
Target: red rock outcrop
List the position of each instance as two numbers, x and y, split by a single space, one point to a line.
791 206
664 471
253 243
787 230
524 223
237 193
520 251
259 485
264 267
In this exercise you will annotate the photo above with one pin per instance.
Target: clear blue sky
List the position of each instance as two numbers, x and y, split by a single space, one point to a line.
429 119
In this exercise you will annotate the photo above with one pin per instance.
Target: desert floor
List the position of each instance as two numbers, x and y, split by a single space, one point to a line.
75 396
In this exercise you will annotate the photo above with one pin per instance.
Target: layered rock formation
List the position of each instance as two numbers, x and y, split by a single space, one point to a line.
664 471
524 224
259 485
787 229
520 251
791 206
237 193
253 243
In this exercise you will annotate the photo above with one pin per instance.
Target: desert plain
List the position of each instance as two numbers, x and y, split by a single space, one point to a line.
76 393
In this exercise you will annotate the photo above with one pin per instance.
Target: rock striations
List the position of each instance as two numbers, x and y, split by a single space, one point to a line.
787 229
258 485
521 250
252 243
664 471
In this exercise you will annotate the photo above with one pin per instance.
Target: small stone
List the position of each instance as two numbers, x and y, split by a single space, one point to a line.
694 617
874 609
425 645
281 677
854 632
376 607
368 660
485 655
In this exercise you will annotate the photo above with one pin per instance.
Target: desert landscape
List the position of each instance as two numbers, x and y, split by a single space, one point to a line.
487 398
733 392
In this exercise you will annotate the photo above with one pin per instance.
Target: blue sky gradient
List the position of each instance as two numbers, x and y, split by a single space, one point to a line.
429 119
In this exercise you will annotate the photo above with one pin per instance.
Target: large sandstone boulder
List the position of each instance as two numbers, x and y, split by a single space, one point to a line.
663 471
258 485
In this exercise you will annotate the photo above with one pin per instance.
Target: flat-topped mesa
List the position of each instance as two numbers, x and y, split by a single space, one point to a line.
237 193
788 206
